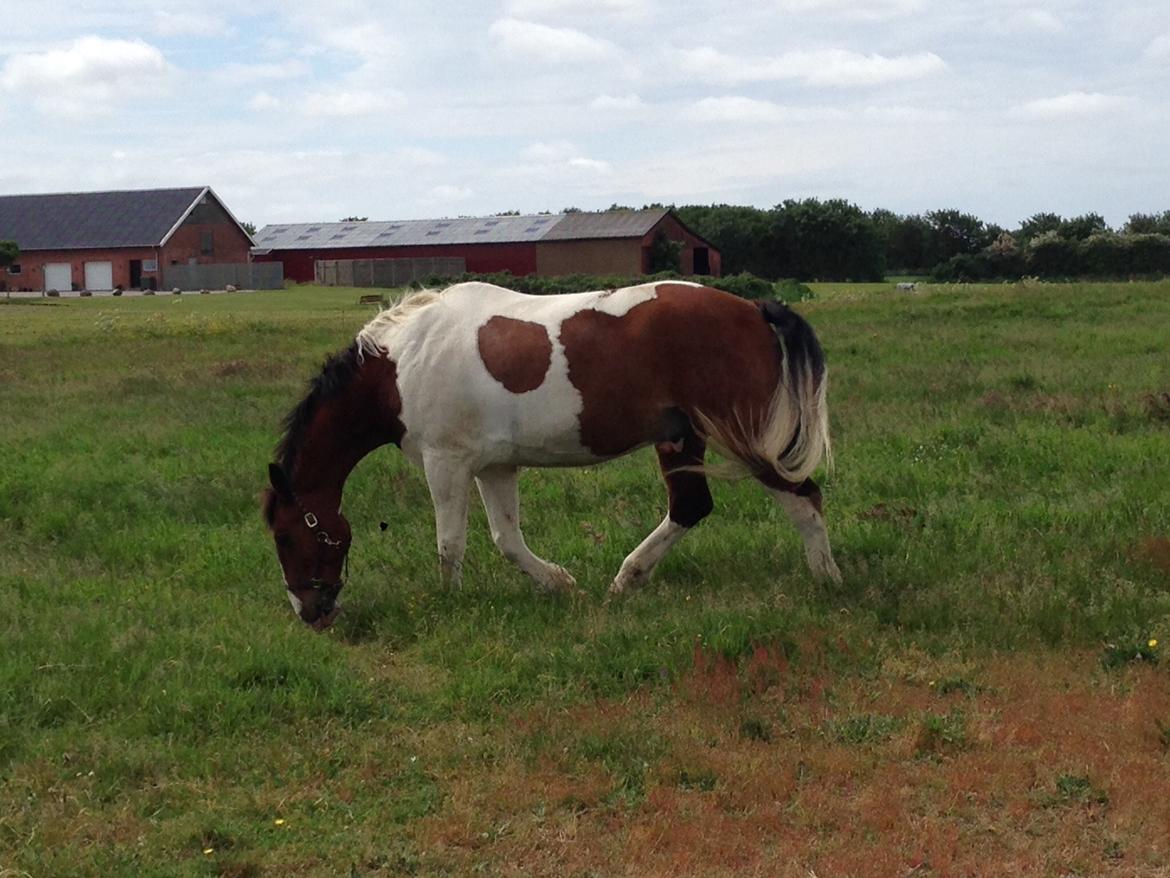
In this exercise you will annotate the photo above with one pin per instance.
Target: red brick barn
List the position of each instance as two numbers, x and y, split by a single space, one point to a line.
611 242
103 240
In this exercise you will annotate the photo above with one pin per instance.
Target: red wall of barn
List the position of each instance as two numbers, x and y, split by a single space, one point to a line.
676 231
32 266
520 259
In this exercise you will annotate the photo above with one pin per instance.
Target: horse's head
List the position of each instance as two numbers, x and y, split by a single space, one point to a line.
311 544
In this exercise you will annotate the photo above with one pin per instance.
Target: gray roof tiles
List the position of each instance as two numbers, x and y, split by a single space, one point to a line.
85 220
465 230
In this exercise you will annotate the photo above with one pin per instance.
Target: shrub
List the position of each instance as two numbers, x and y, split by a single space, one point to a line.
745 285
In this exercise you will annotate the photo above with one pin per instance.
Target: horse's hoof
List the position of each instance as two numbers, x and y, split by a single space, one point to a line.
557 579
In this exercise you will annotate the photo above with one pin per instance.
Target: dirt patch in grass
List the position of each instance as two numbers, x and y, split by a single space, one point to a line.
1040 766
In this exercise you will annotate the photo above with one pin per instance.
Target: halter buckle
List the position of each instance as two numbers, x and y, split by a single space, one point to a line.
310 520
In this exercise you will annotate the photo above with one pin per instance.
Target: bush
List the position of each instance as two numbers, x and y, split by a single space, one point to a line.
744 284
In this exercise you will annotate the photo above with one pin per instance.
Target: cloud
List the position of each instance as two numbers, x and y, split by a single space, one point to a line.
863 9
174 24
594 165
1074 104
617 102
1158 49
351 103
589 8
737 108
549 45
290 69
449 192
734 109
1032 21
86 75
262 102
837 68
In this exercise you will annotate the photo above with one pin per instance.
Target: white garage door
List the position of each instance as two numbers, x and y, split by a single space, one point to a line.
58 276
99 275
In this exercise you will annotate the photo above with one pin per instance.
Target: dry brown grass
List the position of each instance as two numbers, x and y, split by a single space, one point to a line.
1061 769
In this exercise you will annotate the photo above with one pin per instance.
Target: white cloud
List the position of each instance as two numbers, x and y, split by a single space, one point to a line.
737 108
449 192
863 9
1032 21
550 45
594 165
193 24
1158 49
822 67
734 109
617 102
590 8
548 152
351 103
1074 104
263 102
290 69
87 75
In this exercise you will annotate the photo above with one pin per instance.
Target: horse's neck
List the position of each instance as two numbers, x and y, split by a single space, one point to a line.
346 428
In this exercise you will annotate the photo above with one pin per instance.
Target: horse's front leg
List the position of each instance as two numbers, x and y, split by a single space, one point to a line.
449 481
499 488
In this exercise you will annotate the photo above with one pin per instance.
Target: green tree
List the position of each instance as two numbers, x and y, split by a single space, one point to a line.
1037 224
9 253
1081 227
954 232
665 254
826 240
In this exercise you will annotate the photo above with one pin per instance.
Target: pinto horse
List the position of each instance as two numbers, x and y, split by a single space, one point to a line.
476 381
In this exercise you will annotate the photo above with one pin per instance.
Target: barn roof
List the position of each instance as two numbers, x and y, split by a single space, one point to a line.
608 224
464 230
83 220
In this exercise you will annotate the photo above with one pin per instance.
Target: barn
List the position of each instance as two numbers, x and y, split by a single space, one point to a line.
129 239
609 242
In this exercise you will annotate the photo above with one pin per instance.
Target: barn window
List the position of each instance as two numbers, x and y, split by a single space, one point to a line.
14 268
207 242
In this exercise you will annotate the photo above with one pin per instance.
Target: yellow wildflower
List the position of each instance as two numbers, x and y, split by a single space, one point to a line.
1153 642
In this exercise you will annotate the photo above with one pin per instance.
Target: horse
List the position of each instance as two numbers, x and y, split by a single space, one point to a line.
476 381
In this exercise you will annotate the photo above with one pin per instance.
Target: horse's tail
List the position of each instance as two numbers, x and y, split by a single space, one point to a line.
791 437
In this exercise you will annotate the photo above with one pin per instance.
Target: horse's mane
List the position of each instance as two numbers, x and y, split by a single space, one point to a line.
371 340
336 375
341 368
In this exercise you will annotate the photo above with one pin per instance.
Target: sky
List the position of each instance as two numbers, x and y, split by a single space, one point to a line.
306 111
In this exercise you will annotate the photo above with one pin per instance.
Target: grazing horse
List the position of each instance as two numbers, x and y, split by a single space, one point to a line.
476 381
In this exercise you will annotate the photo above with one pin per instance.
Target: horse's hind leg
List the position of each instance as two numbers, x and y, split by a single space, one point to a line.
690 502
499 488
803 504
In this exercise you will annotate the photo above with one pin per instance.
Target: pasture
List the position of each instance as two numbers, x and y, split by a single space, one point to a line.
982 695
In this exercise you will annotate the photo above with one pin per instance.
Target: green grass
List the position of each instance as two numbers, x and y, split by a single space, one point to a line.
998 466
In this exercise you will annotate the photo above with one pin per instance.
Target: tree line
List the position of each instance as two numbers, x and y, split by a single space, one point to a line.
811 239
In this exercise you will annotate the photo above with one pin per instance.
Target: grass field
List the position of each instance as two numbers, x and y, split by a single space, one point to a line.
982 695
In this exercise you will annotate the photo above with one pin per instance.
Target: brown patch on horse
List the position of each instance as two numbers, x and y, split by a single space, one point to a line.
517 353
638 375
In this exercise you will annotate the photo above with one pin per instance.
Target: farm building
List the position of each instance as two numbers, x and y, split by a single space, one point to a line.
103 240
612 242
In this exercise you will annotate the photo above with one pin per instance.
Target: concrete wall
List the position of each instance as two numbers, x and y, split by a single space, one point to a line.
215 277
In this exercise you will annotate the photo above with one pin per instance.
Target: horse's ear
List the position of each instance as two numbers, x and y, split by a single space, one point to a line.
280 482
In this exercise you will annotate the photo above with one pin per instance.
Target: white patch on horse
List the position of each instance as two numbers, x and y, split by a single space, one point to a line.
295 601
810 524
450 402
640 563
